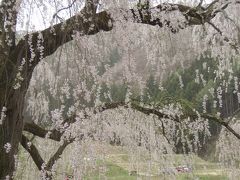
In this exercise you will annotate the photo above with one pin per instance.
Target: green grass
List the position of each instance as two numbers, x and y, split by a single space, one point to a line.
113 172
118 167
117 164
116 172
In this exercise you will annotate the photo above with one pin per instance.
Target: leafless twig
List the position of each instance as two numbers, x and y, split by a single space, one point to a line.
56 14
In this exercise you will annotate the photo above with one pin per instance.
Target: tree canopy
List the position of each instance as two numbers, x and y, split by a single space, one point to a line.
163 76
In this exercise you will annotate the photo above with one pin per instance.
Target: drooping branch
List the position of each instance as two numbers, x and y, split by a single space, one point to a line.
234 45
215 11
8 21
36 130
56 135
221 122
135 106
177 119
161 115
61 33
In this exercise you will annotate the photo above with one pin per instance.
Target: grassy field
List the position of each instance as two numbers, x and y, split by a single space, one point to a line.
118 164
115 172
120 167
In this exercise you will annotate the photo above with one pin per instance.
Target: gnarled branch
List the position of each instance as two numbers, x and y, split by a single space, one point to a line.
56 135
61 33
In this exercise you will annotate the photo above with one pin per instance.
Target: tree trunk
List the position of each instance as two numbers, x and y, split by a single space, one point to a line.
11 132
11 113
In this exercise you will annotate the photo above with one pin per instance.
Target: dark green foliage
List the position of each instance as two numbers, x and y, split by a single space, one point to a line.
198 80
191 88
118 92
152 90
190 96
115 93
114 57
145 5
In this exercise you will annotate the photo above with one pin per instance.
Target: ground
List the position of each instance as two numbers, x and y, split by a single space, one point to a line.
115 163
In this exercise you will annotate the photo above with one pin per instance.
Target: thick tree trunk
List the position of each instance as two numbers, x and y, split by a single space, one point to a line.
11 133
11 112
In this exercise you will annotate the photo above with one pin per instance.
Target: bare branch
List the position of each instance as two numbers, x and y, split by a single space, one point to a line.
221 122
235 46
58 154
200 4
40 132
215 27
230 19
32 150
70 5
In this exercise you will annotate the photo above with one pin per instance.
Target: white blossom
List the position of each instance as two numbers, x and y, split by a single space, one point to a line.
3 114
204 103
7 147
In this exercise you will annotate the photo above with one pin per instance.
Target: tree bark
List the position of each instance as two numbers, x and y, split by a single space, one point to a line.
11 107
10 133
